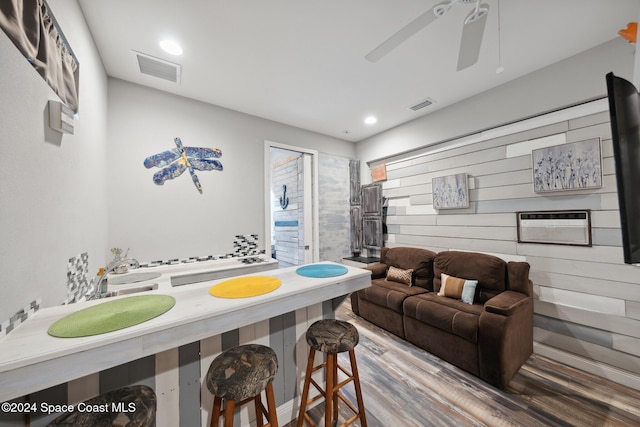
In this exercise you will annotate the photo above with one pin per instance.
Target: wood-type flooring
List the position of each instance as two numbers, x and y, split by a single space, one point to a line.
405 386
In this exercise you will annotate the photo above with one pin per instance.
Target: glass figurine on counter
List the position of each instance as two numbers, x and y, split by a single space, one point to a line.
120 267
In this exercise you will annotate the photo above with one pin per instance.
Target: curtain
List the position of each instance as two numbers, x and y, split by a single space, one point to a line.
32 27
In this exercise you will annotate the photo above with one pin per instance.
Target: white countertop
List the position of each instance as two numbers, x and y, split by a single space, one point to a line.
180 272
31 359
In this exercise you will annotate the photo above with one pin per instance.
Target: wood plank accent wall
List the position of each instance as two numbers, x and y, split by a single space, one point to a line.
587 302
289 237
334 218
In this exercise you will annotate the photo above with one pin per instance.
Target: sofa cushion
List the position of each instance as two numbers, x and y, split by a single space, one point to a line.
488 270
389 294
446 314
420 260
454 287
399 275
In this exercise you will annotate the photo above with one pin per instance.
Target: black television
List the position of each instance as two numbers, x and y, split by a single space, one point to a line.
624 111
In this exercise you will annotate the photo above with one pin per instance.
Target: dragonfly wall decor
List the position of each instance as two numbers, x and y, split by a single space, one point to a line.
175 161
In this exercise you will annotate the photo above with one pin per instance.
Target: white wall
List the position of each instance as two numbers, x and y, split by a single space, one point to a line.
565 83
174 220
64 195
52 187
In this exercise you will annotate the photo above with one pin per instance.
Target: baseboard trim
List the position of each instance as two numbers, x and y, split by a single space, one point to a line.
611 373
287 411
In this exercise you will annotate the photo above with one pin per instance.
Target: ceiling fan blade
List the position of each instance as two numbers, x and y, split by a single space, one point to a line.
471 40
401 36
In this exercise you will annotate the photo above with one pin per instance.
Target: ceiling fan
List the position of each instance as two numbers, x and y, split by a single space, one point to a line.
472 32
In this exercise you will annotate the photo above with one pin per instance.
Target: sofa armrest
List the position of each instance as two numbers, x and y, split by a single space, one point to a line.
378 271
505 336
506 303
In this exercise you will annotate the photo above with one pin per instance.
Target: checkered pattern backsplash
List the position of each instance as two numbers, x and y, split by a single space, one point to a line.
20 316
244 245
77 277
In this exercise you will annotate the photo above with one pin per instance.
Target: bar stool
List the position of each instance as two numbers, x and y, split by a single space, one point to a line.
239 375
332 337
140 398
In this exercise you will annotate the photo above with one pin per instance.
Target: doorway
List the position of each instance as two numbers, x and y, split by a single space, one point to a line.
291 209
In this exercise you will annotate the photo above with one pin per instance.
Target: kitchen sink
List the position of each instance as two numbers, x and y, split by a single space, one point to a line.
133 290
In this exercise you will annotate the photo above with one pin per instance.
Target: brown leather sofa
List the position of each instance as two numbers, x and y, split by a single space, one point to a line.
490 338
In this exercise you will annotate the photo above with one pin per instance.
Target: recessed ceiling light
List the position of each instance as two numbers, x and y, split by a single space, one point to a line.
171 47
370 120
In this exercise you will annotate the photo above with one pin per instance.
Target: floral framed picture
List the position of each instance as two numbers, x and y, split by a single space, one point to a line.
573 166
450 192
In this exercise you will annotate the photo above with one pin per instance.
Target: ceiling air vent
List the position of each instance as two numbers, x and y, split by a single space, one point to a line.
158 67
422 104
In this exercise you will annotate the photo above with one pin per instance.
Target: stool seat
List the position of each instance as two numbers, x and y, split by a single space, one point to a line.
242 372
332 336
140 397
239 376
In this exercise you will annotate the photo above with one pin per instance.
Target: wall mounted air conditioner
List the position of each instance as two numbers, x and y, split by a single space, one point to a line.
555 227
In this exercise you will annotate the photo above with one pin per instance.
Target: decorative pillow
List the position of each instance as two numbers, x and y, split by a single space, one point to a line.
454 287
399 275
469 291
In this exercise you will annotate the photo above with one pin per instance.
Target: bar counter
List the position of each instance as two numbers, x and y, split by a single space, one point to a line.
32 360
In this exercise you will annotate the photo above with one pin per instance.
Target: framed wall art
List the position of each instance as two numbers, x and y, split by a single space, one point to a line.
379 173
573 166
33 29
450 192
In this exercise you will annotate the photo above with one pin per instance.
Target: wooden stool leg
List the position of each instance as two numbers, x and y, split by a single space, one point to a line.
335 383
305 388
257 403
215 416
331 381
229 408
271 406
356 383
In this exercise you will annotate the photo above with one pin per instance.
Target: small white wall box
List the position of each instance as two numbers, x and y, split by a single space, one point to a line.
555 227
60 117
